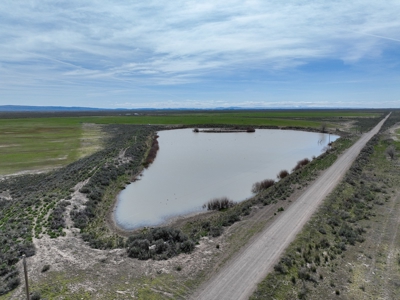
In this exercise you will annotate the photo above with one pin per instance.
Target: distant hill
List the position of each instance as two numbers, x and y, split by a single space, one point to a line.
60 109
22 108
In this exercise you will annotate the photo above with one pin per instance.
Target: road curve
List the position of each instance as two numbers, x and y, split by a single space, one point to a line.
239 277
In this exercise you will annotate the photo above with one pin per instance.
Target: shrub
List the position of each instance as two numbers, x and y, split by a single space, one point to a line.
56 217
35 296
262 185
280 268
230 219
282 174
45 268
301 163
220 203
324 243
187 246
13 283
216 231
287 261
303 274
391 151
158 244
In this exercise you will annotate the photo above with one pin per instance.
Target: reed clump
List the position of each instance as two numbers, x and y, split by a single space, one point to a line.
301 163
152 153
219 204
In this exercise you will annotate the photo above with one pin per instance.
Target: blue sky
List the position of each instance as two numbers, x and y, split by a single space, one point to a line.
200 54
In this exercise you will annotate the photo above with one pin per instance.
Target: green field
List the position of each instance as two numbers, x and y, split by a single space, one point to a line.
40 143
26 144
256 118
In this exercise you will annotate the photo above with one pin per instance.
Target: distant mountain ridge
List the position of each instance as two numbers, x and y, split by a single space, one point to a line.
27 108
21 108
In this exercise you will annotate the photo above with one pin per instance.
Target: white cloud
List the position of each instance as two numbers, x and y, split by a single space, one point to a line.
179 42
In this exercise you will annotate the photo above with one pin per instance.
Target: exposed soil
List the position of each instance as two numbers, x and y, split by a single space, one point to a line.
393 132
105 274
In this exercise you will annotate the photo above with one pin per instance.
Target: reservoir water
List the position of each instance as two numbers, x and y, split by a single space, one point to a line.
192 168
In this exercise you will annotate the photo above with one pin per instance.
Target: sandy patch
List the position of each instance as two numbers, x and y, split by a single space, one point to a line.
392 131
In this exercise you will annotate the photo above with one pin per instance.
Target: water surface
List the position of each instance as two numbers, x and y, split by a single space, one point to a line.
192 168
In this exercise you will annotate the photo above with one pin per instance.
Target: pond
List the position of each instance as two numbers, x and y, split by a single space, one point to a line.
192 168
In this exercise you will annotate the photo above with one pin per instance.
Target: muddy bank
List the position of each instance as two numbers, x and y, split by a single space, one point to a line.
175 222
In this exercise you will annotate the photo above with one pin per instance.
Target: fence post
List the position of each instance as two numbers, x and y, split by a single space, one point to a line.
26 277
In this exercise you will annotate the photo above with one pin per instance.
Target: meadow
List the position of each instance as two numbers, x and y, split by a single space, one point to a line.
31 144
42 142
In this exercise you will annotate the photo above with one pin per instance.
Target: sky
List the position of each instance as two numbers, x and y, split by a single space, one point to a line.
200 54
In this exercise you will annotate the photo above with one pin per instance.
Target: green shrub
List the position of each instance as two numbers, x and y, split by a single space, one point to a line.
159 243
35 296
280 268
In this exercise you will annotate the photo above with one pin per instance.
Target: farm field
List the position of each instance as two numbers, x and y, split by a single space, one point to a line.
88 258
42 143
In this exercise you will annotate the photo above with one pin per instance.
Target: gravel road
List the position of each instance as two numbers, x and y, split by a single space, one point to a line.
240 276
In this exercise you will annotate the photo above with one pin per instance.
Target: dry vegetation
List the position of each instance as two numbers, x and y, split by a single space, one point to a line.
219 204
262 185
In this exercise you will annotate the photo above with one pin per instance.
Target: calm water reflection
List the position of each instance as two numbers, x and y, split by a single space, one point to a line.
192 168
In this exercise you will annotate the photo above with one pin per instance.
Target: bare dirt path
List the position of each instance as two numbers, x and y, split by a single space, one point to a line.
238 279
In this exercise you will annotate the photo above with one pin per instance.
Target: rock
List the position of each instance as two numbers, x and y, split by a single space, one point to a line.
102 258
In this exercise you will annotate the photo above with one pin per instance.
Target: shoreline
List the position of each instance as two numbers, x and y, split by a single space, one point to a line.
170 222
176 220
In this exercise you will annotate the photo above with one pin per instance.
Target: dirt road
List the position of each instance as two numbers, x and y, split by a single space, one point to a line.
239 277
